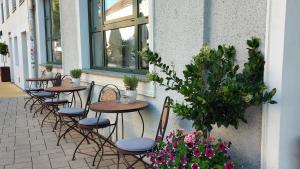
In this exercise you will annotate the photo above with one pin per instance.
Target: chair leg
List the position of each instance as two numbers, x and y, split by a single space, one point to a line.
45 118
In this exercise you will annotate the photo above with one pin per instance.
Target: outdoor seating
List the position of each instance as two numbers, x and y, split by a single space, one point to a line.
91 125
53 103
74 114
140 146
38 97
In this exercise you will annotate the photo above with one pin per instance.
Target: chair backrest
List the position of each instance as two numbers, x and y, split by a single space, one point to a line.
164 118
109 92
57 81
89 97
66 80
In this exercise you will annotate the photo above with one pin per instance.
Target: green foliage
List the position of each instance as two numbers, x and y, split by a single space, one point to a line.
76 73
130 82
49 67
3 49
214 92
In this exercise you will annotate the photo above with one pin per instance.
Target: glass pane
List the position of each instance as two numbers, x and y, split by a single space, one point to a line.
96 14
57 51
144 7
55 19
49 51
97 48
143 42
115 9
120 48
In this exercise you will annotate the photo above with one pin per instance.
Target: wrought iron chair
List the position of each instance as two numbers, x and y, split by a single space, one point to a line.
40 96
140 146
52 104
74 114
91 125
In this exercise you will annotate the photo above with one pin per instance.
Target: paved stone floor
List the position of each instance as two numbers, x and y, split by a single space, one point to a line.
25 145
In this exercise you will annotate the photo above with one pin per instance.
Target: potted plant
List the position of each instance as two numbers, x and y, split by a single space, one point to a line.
181 150
214 91
49 72
131 83
5 70
76 74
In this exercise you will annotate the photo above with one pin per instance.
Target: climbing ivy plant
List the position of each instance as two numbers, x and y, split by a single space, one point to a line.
214 91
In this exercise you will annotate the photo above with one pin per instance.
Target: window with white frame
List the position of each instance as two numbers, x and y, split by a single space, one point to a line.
118 30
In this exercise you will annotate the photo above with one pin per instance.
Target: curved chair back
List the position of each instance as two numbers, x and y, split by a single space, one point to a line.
89 98
164 118
66 80
57 81
109 92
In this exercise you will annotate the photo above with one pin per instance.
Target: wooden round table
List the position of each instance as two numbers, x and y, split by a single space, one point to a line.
66 89
119 107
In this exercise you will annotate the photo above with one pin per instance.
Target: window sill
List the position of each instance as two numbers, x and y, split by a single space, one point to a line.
142 78
54 65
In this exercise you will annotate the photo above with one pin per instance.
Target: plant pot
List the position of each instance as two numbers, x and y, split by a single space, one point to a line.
76 82
49 74
5 74
131 95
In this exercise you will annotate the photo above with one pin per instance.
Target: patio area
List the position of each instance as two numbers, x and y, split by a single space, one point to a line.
24 144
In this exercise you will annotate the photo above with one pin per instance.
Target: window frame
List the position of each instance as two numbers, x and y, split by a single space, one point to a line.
51 39
14 5
127 21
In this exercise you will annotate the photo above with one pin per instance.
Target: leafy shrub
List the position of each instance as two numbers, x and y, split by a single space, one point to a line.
213 89
130 82
49 67
76 73
189 151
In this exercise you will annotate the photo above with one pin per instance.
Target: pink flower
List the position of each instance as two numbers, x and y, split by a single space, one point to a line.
209 152
170 136
190 138
190 145
159 138
228 165
175 144
195 166
197 153
168 150
222 147
184 161
172 157
160 159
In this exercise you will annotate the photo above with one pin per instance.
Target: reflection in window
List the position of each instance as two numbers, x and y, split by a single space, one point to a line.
143 8
120 49
118 36
52 22
144 42
115 9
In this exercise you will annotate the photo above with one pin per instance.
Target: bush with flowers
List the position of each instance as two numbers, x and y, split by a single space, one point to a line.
191 151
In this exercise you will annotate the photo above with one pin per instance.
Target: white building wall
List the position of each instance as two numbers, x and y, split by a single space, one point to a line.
13 26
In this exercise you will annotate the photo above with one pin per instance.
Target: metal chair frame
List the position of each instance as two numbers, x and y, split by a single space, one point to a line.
90 129
159 134
73 119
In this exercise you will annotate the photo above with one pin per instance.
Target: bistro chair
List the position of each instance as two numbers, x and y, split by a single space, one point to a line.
92 124
40 96
141 146
52 104
74 114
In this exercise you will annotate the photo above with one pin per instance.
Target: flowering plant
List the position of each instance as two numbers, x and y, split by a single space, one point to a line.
191 151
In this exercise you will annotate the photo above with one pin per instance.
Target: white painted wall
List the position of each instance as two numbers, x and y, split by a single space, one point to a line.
10 30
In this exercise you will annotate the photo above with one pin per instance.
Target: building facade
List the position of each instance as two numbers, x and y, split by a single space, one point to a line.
102 37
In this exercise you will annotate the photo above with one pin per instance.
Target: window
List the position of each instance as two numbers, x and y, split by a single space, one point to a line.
14 5
2 13
7 8
52 25
118 30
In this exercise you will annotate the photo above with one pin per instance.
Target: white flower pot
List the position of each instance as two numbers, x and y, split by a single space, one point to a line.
76 82
49 74
131 95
